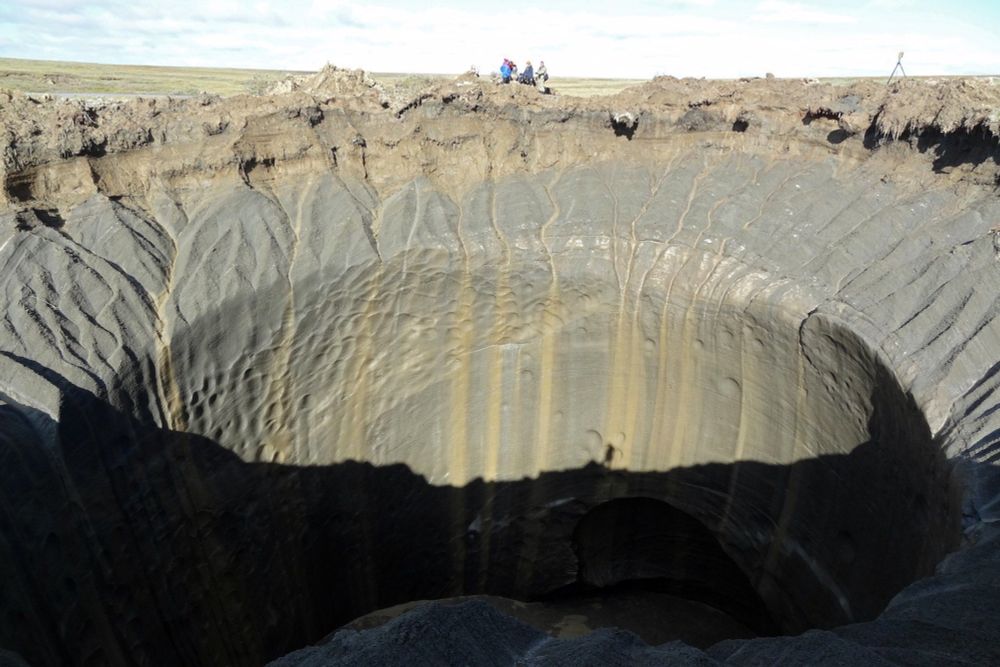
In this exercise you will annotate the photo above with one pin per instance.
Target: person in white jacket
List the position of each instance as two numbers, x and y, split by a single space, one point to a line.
541 76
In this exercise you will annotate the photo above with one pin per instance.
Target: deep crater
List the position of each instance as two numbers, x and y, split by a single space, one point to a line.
270 373
430 435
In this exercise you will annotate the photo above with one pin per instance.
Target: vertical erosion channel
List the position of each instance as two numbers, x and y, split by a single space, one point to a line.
502 396
502 431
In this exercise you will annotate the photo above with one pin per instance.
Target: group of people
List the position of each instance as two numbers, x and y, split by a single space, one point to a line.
530 76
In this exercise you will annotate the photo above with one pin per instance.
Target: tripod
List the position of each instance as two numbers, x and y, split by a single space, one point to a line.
899 66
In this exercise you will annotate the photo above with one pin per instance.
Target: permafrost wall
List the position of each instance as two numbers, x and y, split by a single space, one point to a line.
272 364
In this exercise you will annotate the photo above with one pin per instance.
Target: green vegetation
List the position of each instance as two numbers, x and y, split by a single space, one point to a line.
45 76
563 86
589 87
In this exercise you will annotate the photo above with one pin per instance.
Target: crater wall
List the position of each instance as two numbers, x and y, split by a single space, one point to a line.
274 363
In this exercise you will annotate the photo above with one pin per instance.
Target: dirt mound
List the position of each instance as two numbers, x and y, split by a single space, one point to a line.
937 116
330 82
947 105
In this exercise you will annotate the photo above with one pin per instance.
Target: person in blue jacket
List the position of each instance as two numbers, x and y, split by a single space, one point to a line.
505 71
528 75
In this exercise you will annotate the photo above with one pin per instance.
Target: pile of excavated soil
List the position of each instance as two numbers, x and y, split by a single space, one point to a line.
952 117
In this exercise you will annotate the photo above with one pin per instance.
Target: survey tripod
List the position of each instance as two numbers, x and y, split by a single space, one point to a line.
899 66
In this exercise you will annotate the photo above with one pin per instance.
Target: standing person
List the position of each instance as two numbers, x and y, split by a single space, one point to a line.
541 76
505 71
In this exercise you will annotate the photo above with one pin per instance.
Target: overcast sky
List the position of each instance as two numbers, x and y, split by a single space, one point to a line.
612 38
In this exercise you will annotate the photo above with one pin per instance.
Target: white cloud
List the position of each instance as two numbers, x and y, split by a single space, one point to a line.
777 11
715 38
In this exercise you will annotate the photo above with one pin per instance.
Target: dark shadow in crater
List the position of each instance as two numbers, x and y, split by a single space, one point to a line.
640 543
838 136
624 126
963 146
33 217
824 113
130 544
20 186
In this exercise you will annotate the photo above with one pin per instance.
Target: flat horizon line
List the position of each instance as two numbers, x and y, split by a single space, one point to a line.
458 73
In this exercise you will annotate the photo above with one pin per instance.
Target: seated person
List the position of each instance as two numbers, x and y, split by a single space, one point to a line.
542 74
528 75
